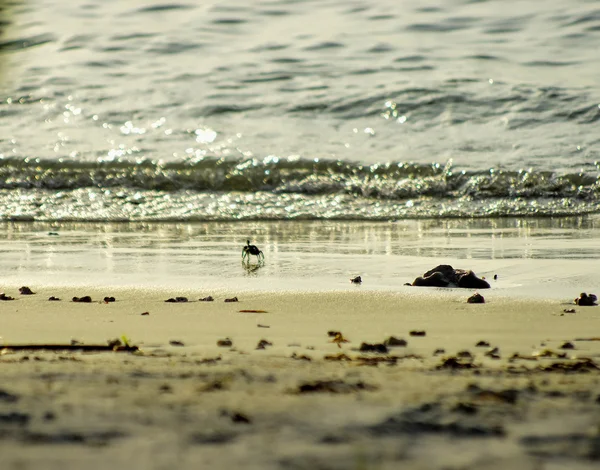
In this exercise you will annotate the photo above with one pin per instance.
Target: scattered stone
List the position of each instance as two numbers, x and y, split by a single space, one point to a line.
207 299
53 299
446 276
455 363
550 353
569 310
339 339
418 333
493 353
263 343
258 325
236 417
495 277
177 300
53 234
109 299
439 351
465 408
581 365
482 344
26 291
586 300
253 311
3 296
175 342
504 396
145 313
333 334
376 348
86 299
8 397
567 345
337 357
356 280
464 355
233 299
334 386
392 342
476 299
301 357
225 343
14 417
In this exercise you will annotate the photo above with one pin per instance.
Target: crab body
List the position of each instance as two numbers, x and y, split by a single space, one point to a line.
252 250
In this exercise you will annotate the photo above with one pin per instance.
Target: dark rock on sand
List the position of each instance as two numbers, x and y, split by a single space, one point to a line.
482 344
225 343
26 291
7 397
54 299
207 299
418 333
586 300
445 275
376 348
476 299
109 299
177 300
175 342
392 341
263 343
86 299
567 345
334 386
3 296
356 280
233 299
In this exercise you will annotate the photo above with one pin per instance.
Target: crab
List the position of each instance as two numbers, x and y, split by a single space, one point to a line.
252 250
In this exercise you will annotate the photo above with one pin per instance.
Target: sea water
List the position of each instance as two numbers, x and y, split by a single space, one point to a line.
264 113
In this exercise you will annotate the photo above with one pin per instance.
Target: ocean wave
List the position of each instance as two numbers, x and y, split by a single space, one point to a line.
385 181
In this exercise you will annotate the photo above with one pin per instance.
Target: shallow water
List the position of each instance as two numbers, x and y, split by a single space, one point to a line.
554 258
283 109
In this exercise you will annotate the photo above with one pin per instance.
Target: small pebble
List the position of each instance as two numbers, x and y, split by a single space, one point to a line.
262 326
86 299
233 299
569 310
145 313
376 348
25 291
482 344
3 296
495 277
567 345
55 299
175 342
418 333
207 299
464 354
263 343
109 299
476 299
439 351
356 280
392 341
177 300
225 343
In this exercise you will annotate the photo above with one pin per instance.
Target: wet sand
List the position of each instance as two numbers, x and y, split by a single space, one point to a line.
304 401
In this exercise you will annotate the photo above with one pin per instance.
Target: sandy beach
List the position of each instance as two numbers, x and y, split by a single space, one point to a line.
303 400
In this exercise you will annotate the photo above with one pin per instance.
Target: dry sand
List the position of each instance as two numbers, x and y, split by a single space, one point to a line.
303 402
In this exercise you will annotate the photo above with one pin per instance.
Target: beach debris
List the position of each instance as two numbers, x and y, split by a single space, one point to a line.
333 333
225 343
567 345
53 234
86 299
464 355
259 325
356 280
456 363
334 386
341 357
76 342
586 300
53 299
439 351
145 313
375 361
116 345
252 250
301 357
8 397
176 342
263 343
583 364
569 310
253 311
206 299
509 395
338 338
549 353
375 348
476 298
236 417
418 333
177 300
25 291
482 344
232 299
109 299
3 296
445 275
393 342
493 353
495 277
